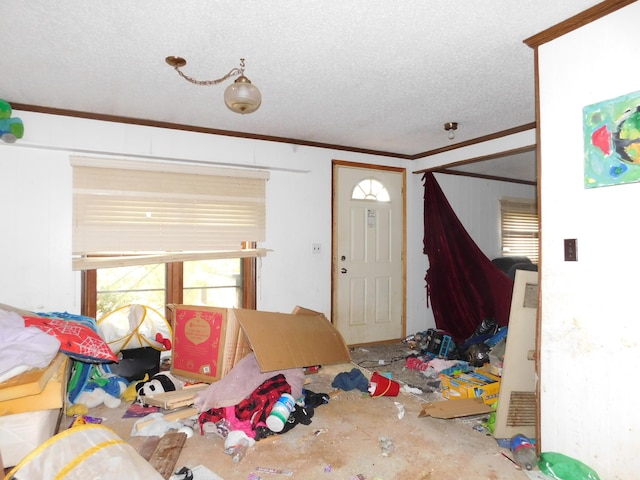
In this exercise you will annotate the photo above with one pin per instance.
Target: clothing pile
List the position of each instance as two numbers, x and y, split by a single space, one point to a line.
243 399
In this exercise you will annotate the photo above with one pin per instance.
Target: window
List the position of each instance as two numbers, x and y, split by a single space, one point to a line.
229 283
119 286
370 189
519 228
213 282
160 233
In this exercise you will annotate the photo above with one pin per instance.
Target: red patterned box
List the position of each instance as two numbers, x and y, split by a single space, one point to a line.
207 343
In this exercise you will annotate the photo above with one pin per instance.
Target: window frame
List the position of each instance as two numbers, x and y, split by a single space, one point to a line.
173 287
525 209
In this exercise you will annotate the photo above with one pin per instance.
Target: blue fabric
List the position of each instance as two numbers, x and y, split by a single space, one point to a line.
351 380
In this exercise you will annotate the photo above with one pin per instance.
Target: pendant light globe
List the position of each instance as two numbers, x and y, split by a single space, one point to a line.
242 96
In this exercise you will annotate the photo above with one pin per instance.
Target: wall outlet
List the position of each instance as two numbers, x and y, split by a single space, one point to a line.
315 248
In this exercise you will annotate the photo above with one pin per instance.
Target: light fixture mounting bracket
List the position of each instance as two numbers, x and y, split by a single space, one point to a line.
176 61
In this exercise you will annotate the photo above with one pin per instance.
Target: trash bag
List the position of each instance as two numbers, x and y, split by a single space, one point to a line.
134 326
478 354
562 467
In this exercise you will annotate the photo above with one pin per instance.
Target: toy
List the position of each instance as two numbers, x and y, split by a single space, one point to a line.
98 396
160 383
91 385
10 128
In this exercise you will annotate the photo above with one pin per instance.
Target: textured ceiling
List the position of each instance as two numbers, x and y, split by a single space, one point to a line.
367 74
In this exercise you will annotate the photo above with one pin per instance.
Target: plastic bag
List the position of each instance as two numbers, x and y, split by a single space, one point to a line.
134 326
562 467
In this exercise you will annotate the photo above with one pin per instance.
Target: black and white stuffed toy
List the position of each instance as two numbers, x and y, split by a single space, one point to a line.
160 383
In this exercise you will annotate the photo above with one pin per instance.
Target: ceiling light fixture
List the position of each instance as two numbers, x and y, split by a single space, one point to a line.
240 97
451 127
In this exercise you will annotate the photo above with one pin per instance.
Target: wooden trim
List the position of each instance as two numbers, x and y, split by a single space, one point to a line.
580 20
89 293
485 177
345 163
196 129
474 141
538 349
250 279
174 286
484 158
268 138
493 156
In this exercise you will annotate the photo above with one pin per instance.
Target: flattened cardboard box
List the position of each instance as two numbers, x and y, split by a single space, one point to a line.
209 341
455 408
284 340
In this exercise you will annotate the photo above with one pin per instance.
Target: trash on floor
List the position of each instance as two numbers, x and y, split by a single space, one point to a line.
460 408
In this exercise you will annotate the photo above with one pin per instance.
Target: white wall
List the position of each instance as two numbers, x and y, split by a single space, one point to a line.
35 207
477 205
590 339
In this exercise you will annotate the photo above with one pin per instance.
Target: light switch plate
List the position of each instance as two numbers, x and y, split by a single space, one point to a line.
570 250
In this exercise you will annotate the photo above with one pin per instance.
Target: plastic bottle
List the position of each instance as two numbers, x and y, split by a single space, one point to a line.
238 450
524 453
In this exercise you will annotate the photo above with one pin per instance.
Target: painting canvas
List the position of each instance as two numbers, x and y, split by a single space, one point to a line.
612 141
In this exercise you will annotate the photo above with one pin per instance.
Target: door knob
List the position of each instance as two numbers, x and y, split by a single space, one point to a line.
343 270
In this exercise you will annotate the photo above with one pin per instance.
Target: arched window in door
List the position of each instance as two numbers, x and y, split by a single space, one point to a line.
370 189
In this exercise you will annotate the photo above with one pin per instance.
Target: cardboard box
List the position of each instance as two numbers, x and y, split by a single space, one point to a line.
206 342
460 408
209 341
471 385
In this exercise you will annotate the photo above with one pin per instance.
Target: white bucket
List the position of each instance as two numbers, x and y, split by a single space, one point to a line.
87 451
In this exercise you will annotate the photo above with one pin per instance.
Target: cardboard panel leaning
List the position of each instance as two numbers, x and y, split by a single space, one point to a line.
209 341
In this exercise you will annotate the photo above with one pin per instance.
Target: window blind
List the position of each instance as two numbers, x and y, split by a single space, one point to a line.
520 228
132 212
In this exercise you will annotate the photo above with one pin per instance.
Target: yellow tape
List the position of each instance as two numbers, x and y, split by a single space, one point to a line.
60 436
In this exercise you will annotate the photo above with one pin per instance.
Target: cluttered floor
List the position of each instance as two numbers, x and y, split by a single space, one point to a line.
352 436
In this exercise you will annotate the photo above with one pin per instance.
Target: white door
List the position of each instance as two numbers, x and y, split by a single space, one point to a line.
368 288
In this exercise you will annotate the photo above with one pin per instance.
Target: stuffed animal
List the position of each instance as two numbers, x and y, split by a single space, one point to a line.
98 396
160 383
94 384
10 128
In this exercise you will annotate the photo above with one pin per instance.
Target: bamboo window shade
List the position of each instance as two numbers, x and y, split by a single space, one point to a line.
520 228
131 212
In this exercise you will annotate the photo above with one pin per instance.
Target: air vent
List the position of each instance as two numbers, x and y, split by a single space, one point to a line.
522 409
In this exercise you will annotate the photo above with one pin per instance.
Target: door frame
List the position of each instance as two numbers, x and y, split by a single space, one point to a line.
334 237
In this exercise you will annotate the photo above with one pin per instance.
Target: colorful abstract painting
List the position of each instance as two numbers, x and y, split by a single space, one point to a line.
612 141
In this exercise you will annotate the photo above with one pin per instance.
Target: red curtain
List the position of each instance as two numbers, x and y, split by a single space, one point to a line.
463 286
